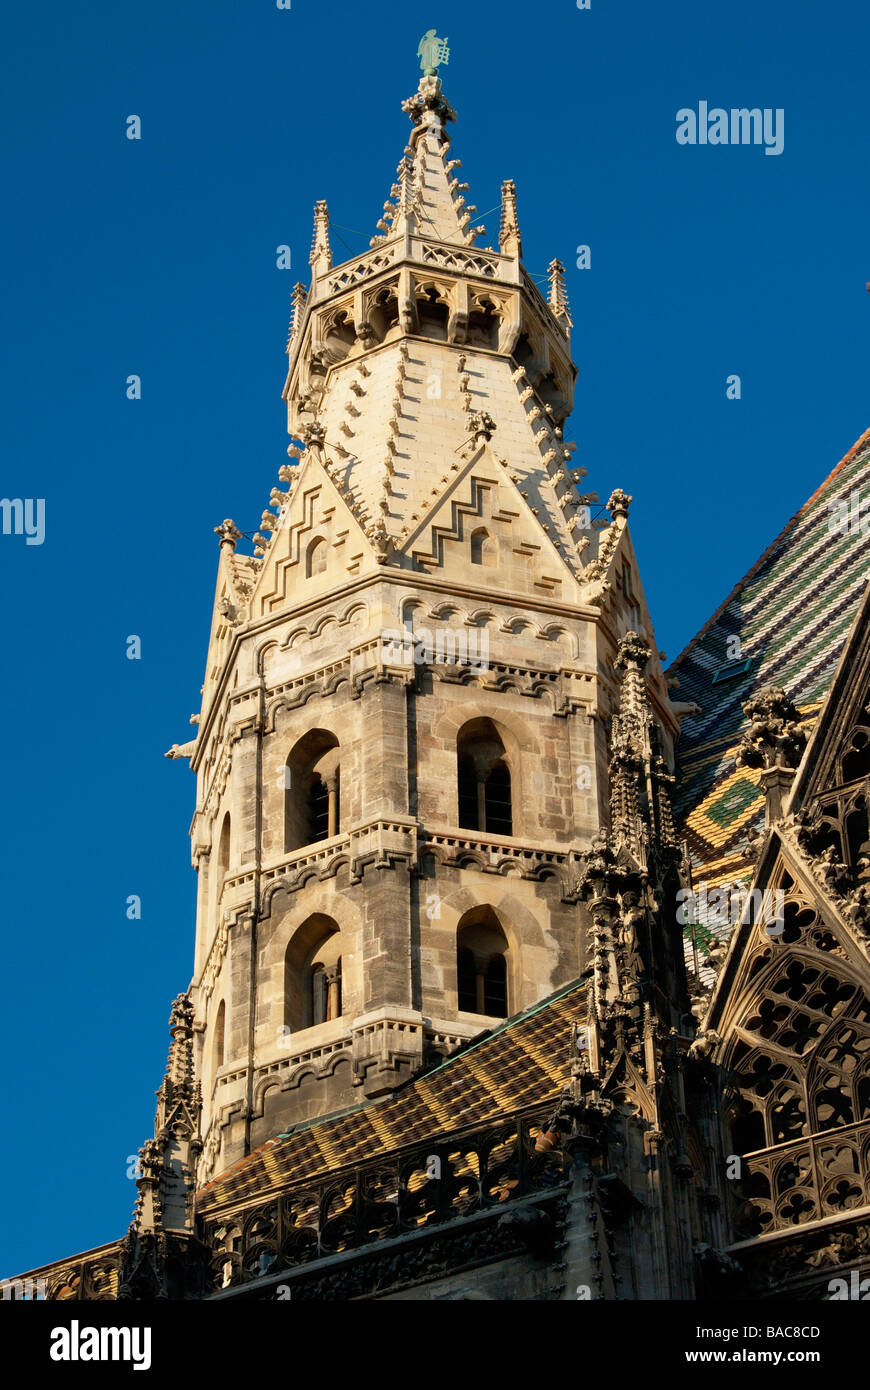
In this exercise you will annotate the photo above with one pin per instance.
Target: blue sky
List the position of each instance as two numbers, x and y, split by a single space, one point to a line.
157 257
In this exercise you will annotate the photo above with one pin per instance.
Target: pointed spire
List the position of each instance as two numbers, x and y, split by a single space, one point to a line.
431 199
160 1245
629 745
178 1085
320 259
558 297
298 301
640 781
509 238
166 1162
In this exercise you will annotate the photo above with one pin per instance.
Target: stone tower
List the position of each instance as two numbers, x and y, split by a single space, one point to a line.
403 749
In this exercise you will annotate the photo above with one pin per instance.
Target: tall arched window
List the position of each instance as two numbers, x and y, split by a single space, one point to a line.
223 857
485 802
857 833
218 1042
482 964
483 324
484 549
312 790
315 557
432 313
312 974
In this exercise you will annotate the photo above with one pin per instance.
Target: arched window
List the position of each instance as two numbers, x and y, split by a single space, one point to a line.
312 790
312 974
483 324
484 779
218 1042
484 549
339 336
315 557
433 313
856 762
858 834
223 857
384 312
482 964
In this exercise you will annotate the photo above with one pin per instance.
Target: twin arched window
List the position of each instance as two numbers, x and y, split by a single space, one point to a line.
312 790
484 779
312 974
482 964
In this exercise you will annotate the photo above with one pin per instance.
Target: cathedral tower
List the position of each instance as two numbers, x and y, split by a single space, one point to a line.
402 756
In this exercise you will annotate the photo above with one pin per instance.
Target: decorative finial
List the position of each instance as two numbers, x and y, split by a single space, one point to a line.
482 425
432 52
312 433
632 654
774 735
618 504
321 254
509 240
773 742
228 532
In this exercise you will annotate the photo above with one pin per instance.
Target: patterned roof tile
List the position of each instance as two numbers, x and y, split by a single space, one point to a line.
525 1061
792 613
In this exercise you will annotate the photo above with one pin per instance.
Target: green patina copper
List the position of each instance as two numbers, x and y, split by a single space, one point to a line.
433 53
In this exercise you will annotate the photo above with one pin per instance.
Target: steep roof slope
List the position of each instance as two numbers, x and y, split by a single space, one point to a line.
525 1061
791 613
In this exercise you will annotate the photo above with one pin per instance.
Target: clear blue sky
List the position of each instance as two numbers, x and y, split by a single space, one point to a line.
158 258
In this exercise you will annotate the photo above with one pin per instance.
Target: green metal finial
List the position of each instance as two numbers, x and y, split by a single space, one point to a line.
432 52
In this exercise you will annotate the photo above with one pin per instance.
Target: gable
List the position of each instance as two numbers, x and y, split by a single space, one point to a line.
479 499
790 1018
839 750
317 542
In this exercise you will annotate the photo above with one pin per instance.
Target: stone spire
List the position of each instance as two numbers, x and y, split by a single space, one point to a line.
557 297
160 1248
320 259
628 881
640 781
297 310
509 238
629 747
429 199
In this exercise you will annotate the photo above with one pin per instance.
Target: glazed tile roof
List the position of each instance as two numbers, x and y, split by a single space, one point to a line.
792 613
525 1061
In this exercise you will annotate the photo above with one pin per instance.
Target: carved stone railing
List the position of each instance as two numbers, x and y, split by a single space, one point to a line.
380 841
92 1276
460 260
497 855
360 268
428 1186
805 1180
